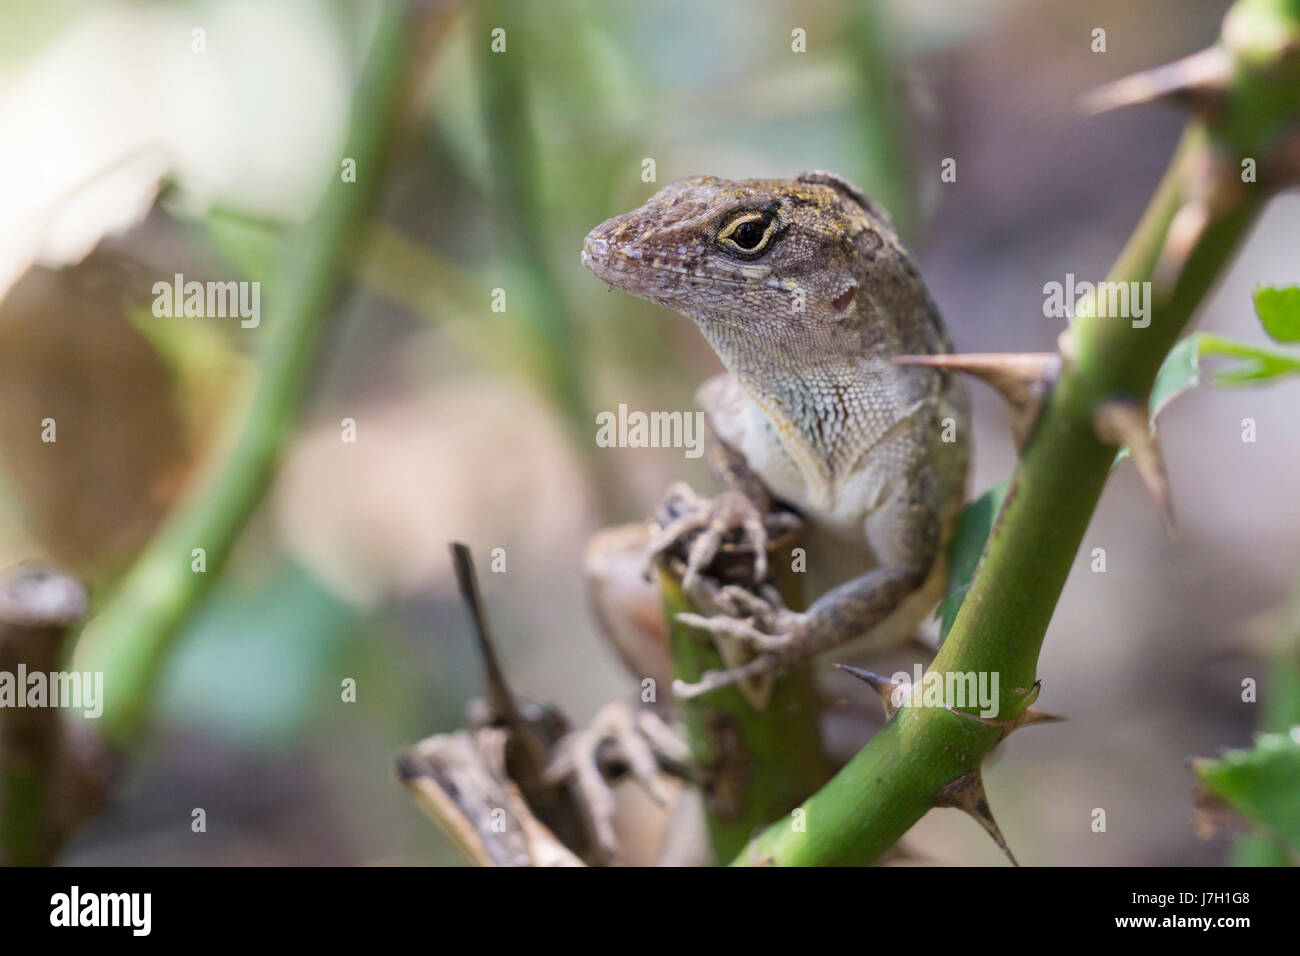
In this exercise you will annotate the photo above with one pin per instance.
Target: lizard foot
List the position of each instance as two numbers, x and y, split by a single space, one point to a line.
760 624
684 515
619 737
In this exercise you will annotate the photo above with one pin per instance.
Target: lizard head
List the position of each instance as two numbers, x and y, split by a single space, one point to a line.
762 265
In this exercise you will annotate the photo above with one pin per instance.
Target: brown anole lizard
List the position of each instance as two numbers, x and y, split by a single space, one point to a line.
805 292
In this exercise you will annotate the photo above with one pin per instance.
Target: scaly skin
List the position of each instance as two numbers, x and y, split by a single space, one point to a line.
806 294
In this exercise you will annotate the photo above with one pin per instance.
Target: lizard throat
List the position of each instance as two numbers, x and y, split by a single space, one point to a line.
825 422
819 407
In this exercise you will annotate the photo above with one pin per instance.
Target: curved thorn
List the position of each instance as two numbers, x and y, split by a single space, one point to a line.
882 685
1198 82
1125 422
966 793
1025 717
1021 378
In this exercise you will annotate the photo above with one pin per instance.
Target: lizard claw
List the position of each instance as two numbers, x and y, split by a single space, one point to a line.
779 643
784 629
684 514
739 630
742 602
713 680
619 733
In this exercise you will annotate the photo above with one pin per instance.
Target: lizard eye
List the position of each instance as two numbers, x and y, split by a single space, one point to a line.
749 233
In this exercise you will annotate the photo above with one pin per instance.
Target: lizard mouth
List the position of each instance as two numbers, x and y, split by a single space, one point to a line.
598 253
623 266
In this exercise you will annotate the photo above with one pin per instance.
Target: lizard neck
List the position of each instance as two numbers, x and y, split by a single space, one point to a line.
828 387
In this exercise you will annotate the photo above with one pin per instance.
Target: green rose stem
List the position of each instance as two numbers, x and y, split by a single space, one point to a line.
1199 214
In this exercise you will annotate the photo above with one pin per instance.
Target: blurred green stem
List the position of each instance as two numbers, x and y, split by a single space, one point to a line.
129 638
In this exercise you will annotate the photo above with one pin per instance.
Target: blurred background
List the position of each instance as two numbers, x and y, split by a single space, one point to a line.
129 155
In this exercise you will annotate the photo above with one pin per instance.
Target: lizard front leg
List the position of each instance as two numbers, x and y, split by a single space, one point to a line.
698 526
905 533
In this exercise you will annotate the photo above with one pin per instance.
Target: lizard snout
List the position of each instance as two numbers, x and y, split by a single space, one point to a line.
594 250
604 254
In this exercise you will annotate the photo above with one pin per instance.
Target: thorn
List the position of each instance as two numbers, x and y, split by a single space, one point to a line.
1198 83
1124 422
966 793
886 688
1021 378
1032 716
1026 716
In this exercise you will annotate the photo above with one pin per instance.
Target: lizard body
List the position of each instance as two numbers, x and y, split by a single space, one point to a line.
806 294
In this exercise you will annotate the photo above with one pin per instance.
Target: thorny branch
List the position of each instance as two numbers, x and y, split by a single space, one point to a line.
1245 97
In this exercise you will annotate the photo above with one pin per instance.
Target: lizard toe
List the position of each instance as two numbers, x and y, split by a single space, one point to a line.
717 679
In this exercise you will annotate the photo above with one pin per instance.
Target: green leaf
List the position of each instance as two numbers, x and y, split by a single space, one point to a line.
1256 365
1181 369
964 550
1261 783
1279 312
1179 372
